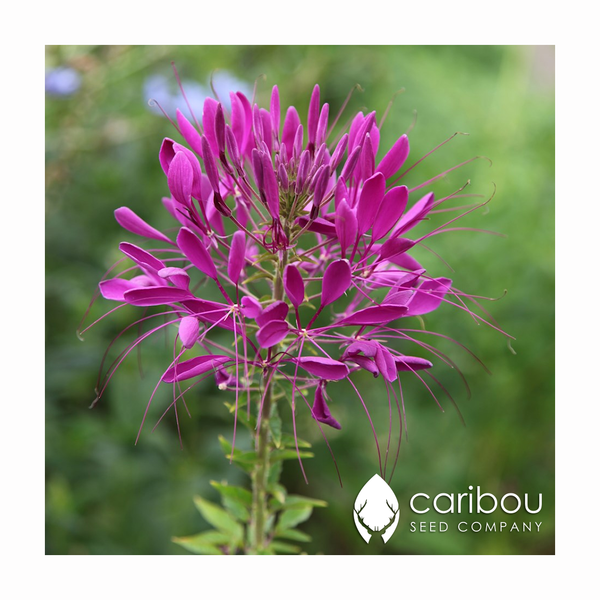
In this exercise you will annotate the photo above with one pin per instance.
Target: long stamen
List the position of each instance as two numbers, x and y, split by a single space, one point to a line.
370 422
356 87
185 97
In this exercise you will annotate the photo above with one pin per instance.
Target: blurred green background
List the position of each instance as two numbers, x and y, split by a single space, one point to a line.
107 496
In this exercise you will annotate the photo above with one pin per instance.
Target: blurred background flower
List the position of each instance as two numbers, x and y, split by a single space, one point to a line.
163 90
62 81
107 496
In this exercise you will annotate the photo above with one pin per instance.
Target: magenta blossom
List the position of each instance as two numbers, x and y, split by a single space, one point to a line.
306 241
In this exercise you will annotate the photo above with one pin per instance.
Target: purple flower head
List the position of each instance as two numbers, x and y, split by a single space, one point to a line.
306 239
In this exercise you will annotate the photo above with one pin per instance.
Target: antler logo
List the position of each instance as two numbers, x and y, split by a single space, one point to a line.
376 510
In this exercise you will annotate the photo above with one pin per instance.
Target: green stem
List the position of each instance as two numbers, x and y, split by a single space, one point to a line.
260 508
260 511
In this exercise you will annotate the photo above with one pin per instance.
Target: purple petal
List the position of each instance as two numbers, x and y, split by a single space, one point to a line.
391 209
275 111
338 153
181 179
155 296
194 367
367 347
270 185
234 150
194 249
321 179
196 170
385 363
320 410
401 298
350 164
209 164
383 360
374 315
370 200
189 331
415 215
367 159
274 312
336 281
128 220
395 157
189 133
293 284
272 333
406 261
394 247
267 128
208 124
246 147
141 257
411 363
238 121
365 128
407 280
327 368
313 114
166 154
178 277
318 225
365 363
428 296
354 128
322 125
346 226
250 307
220 128
237 256
113 289
298 142
290 126
257 169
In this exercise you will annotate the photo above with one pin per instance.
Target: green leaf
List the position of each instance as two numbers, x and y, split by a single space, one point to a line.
220 519
292 517
289 454
266 256
269 523
287 441
256 276
203 543
294 501
274 473
242 414
294 534
278 492
236 499
284 548
246 460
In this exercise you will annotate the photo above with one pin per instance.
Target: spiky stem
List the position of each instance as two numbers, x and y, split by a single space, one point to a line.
260 479
260 475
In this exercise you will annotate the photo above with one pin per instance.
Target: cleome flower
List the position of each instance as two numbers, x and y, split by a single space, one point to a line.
306 241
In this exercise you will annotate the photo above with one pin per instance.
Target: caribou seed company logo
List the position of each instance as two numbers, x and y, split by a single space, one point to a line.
377 511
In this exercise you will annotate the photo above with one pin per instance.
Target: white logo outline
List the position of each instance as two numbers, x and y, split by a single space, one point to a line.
376 510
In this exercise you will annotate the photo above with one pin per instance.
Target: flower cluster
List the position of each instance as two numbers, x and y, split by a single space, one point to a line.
324 228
